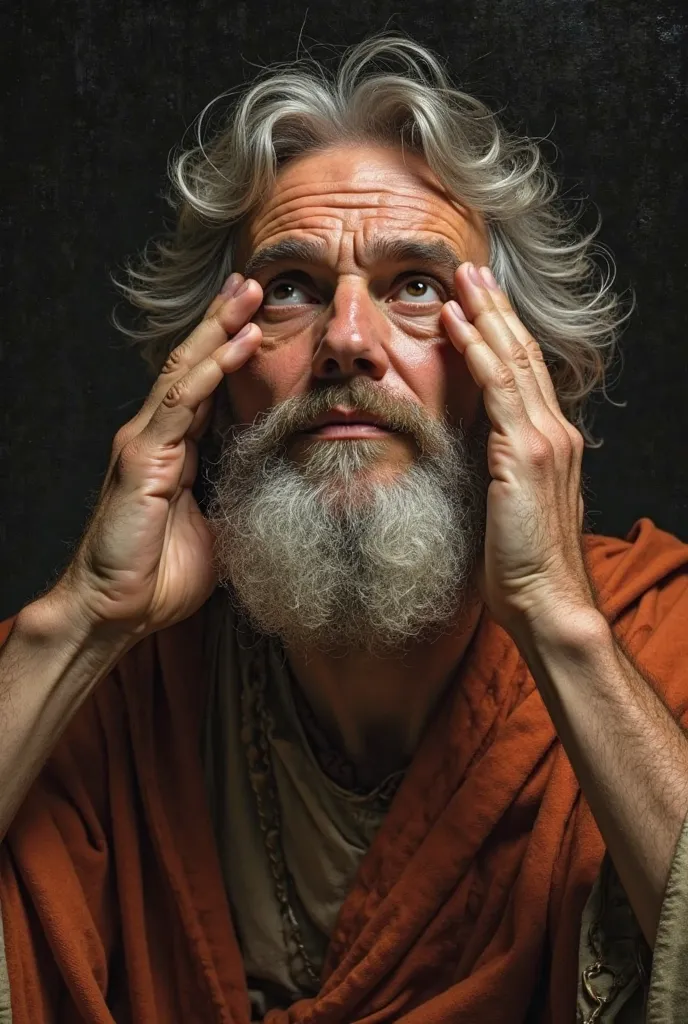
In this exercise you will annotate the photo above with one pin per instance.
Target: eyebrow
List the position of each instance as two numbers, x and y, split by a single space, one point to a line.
392 249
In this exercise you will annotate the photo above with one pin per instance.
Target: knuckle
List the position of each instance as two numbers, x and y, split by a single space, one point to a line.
560 439
566 439
176 360
174 394
540 450
536 354
127 456
504 378
519 356
122 438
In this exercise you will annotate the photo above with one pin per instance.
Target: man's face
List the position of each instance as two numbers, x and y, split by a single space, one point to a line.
354 309
351 512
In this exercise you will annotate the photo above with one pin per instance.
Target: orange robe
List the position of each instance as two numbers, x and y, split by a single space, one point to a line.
467 904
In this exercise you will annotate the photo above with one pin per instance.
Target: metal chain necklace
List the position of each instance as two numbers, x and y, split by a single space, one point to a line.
257 730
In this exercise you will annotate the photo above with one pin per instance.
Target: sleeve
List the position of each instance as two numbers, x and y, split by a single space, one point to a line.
614 958
668 996
655 636
645 596
57 895
6 628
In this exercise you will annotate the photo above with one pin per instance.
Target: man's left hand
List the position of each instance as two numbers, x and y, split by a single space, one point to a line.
533 565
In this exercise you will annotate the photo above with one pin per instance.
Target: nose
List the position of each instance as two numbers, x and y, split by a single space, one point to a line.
353 341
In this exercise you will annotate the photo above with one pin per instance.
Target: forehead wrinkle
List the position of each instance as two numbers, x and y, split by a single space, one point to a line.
396 198
379 248
350 199
348 219
386 184
450 223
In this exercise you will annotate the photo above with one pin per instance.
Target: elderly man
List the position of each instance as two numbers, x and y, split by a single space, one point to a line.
369 730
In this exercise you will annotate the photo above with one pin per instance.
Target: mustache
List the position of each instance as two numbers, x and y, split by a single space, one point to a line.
277 425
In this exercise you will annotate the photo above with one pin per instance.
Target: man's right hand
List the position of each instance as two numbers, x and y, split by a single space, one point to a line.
145 560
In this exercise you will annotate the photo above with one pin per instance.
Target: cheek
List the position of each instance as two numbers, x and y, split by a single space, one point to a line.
460 395
282 367
436 373
267 379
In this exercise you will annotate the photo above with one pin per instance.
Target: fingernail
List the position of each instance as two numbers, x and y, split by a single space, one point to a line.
455 310
241 290
489 279
474 275
242 333
230 285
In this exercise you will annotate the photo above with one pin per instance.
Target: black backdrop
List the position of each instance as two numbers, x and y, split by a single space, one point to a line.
98 91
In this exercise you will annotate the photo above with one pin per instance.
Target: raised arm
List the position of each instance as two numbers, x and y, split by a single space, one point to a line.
144 562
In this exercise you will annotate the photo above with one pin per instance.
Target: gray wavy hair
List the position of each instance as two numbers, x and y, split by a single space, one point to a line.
540 257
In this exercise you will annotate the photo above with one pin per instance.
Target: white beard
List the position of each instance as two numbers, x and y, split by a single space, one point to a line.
323 555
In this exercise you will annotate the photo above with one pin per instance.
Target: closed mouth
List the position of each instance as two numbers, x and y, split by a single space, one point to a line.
348 418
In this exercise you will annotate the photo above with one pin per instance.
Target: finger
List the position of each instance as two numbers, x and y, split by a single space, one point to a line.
201 419
521 333
228 290
501 395
539 369
479 304
190 470
176 413
213 331
231 314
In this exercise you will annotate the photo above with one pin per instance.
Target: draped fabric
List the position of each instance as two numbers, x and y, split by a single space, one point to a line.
471 893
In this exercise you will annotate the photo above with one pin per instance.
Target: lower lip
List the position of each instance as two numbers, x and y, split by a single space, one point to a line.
348 430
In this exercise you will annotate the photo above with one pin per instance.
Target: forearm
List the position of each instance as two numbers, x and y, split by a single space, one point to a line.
628 753
49 665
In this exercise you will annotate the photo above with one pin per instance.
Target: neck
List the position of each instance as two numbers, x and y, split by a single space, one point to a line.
375 709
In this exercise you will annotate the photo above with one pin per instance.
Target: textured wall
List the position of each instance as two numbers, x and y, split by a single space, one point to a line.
98 93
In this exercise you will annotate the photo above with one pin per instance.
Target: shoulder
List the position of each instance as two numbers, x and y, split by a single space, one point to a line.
641 585
624 571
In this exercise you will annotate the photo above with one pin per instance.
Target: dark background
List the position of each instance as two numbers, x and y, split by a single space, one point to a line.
97 93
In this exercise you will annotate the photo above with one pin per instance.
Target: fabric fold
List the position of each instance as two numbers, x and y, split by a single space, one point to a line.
471 893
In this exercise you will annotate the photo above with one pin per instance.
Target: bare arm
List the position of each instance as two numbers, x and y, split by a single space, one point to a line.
49 664
144 562
629 754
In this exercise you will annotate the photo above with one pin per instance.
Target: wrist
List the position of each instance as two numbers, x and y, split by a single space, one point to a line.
565 634
61 617
561 619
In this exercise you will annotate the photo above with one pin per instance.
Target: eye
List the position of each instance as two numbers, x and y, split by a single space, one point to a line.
419 290
286 293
